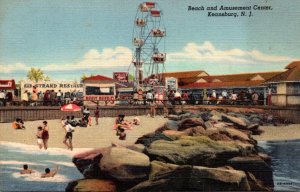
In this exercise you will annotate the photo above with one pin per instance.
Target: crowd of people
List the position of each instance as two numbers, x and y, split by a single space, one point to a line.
205 97
35 97
49 97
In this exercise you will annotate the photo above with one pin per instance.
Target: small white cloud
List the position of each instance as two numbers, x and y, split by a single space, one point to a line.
207 52
12 67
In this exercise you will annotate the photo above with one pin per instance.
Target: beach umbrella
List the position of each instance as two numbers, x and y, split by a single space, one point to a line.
70 107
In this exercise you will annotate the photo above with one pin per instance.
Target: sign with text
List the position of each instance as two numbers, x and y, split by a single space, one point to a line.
121 76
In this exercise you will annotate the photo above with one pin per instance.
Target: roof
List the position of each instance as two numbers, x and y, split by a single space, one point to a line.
231 84
98 78
7 84
185 74
243 79
293 74
293 64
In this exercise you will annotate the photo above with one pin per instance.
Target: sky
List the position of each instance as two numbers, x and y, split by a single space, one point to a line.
67 39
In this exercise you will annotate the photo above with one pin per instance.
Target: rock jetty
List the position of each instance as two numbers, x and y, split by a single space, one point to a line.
193 151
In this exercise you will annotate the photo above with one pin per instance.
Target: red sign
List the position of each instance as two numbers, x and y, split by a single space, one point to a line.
99 98
121 76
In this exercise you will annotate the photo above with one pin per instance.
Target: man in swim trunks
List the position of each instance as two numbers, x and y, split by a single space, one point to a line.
49 173
26 170
69 135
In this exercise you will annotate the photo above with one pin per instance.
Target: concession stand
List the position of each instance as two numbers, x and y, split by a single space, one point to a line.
99 90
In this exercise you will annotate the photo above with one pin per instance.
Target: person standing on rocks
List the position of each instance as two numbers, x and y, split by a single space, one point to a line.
45 134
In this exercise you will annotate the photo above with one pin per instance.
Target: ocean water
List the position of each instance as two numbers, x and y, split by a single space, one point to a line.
13 156
285 163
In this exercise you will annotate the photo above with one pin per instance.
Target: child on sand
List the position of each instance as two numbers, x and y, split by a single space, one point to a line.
121 133
39 135
18 124
136 121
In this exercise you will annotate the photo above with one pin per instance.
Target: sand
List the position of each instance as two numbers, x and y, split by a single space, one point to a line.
103 134
279 133
94 136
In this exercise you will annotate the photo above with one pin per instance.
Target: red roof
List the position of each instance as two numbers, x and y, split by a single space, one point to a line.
98 78
231 84
7 84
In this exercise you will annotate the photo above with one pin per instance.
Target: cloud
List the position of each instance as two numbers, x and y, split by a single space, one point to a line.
12 67
109 58
93 59
207 52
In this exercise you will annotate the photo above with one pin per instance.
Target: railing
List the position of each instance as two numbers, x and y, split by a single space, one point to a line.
120 102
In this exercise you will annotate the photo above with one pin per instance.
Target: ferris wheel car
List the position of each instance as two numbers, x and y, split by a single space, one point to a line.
137 63
138 42
159 57
158 32
155 13
140 22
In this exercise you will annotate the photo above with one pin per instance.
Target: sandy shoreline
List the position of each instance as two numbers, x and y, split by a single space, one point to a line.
93 136
279 133
103 134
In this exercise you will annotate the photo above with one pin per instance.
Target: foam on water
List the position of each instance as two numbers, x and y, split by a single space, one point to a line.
15 155
33 149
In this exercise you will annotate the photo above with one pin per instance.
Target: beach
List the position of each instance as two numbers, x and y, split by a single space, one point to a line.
94 136
279 133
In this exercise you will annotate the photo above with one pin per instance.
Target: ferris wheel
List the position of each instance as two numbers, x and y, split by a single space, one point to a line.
148 45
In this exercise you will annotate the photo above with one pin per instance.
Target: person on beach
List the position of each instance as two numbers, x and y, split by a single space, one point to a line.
136 121
165 111
49 173
39 136
69 136
18 124
96 113
45 135
26 170
121 132
153 106
121 121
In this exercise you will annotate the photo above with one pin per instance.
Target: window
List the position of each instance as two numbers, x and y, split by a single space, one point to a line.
99 90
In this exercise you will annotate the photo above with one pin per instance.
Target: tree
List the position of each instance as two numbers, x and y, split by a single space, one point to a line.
35 74
130 77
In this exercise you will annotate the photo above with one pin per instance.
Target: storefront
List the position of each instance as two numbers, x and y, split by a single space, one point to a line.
9 87
43 86
99 90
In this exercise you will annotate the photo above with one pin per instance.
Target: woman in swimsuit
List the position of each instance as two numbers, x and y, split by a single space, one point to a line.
45 135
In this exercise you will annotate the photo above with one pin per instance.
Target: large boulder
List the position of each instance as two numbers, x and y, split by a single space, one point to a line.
125 165
91 185
195 131
218 179
151 137
198 150
238 121
256 166
88 162
171 125
170 180
174 134
190 122
171 177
